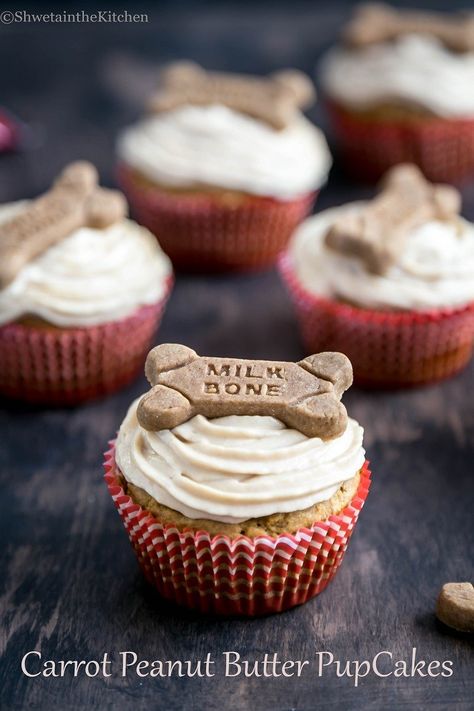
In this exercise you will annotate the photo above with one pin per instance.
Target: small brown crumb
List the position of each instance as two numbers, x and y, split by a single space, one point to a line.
455 606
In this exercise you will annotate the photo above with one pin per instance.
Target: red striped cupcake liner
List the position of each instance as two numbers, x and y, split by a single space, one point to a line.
65 366
201 233
386 348
442 147
239 576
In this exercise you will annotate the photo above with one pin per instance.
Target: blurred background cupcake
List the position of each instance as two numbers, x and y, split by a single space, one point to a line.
82 291
224 166
390 282
400 87
240 514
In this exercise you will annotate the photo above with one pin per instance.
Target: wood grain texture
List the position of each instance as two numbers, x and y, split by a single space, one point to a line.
69 584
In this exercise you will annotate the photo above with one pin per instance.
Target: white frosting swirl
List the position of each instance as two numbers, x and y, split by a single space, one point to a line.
234 468
90 277
216 146
415 70
435 270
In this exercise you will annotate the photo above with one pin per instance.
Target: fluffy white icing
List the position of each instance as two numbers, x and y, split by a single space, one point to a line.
414 69
216 146
90 277
234 468
436 268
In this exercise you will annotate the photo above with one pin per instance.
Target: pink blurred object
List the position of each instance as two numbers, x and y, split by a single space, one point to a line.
10 132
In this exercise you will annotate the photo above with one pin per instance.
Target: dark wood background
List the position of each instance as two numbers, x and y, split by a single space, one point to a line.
69 583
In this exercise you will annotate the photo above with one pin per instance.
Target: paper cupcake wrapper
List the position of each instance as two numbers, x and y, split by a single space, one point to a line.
64 366
201 233
395 349
239 576
443 148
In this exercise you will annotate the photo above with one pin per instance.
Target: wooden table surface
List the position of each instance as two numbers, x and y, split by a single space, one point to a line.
70 586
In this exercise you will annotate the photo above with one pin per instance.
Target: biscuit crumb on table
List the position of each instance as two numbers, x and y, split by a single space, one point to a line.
455 606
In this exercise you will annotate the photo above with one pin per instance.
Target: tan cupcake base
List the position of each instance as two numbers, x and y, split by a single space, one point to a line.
373 140
391 112
220 196
37 322
272 525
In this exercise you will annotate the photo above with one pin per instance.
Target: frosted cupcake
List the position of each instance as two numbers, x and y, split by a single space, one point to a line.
389 282
239 513
224 166
82 291
400 88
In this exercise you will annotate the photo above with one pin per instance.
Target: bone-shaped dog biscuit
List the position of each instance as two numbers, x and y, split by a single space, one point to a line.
74 201
305 395
376 22
378 232
274 99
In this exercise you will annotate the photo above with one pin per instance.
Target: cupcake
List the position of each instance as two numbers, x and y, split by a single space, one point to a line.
82 291
389 282
400 89
239 482
224 166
